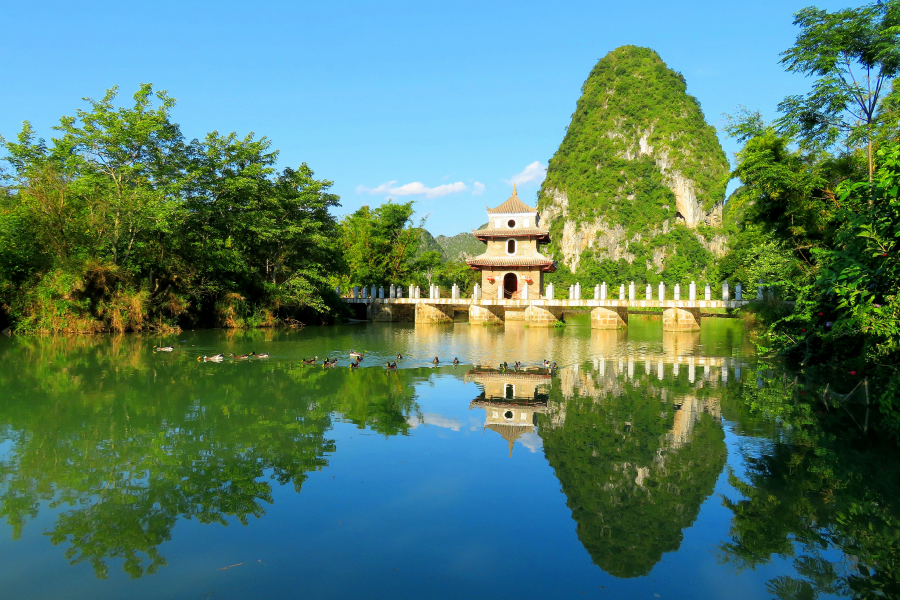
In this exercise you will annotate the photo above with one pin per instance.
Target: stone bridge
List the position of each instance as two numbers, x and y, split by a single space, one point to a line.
678 315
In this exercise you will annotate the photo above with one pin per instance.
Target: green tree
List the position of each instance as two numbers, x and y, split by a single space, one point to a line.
853 54
380 245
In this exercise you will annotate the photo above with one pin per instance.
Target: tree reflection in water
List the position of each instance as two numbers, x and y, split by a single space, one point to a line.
810 493
636 457
147 445
122 447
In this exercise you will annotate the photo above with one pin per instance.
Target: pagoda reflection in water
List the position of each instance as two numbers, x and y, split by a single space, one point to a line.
511 400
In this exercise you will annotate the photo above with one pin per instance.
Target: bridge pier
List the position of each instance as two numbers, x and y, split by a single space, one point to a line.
486 315
383 312
543 316
681 319
609 318
434 313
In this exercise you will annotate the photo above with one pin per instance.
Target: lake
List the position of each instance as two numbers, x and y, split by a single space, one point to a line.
647 465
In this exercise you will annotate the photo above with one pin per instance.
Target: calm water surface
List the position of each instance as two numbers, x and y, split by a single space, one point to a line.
646 466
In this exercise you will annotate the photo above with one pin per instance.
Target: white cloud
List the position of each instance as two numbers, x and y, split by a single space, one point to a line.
416 188
477 188
531 441
533 173
436 420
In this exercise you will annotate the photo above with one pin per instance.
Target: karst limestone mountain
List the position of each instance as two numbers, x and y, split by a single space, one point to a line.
640 176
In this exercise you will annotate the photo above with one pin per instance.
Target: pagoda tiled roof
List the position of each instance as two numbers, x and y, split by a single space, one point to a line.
505 232
512 205
483 260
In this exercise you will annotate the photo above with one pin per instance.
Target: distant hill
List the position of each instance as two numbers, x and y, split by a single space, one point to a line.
429 244
459 246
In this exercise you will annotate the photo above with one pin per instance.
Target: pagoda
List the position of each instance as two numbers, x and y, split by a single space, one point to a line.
511 400
512 261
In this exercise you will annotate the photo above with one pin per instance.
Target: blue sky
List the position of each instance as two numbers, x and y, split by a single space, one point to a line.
444 103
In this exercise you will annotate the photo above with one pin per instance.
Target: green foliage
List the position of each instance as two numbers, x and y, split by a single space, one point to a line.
120 225
634 112
631 94
853 54
381 246
836 248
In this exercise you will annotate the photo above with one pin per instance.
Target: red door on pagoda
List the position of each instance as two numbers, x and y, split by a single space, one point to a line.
510 285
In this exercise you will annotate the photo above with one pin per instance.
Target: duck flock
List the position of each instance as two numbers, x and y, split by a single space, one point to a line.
355 362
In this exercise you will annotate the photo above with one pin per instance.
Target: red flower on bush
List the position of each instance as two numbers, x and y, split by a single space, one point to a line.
853 372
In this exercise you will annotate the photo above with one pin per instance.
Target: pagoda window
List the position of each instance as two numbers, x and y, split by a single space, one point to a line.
511 246
511 223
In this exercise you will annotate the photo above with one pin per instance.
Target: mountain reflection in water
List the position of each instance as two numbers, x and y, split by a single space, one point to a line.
110 446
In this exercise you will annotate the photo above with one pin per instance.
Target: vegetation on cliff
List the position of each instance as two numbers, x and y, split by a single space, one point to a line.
638 164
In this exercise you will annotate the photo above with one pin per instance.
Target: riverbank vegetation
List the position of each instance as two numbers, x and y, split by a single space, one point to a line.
120 224
818 214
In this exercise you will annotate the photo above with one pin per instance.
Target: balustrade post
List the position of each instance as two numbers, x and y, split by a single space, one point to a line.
707 293
692 291
631 291
399 291
662 291
500 292
578 291
551 291
677 291
621 291
392 292
418 293
649 292
738 292
355 292
726 293
524 294
604 291
597 292
759 290
476 293
381 292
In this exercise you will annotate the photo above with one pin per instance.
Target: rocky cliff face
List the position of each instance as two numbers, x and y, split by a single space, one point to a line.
638 162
